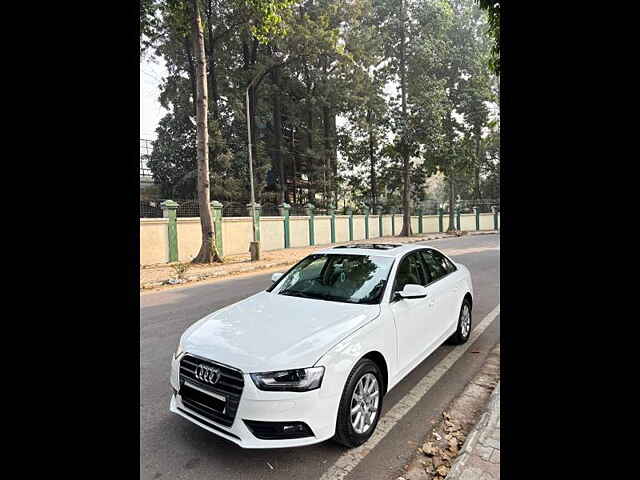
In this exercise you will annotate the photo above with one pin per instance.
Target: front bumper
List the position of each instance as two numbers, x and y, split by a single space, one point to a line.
315 408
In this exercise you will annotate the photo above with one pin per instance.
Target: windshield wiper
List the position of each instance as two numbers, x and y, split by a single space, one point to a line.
336 298
319 296
295 293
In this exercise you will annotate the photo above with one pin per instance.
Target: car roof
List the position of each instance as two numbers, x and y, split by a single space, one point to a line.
378 249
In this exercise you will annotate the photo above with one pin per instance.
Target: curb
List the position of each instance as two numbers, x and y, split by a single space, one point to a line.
206 276
457 469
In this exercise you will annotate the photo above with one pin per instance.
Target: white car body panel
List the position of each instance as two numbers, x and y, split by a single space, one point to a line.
269 332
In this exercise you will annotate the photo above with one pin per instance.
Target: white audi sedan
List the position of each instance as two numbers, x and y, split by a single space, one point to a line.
311 357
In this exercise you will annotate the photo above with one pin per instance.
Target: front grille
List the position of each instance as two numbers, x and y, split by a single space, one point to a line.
229 385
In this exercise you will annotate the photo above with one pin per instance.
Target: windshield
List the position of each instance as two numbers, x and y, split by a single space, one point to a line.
340 278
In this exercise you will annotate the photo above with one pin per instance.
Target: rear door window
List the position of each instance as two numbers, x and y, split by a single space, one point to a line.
437 269
444 261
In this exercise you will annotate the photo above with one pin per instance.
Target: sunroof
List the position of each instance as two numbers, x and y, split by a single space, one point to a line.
372 246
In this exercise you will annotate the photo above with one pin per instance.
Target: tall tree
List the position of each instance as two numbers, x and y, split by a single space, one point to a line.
416 52
399 76
492 8
365 109
208 252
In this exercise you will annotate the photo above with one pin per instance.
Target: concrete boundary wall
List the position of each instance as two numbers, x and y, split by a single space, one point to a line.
155 241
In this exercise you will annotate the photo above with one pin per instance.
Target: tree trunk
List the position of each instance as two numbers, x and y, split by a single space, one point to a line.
406 214
372 161
452 201
310 163
326 120
277 132
293 165
208 252
192 72
212 88
211 67
477 195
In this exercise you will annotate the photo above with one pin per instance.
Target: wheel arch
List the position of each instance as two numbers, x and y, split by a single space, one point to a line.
469 297
378 358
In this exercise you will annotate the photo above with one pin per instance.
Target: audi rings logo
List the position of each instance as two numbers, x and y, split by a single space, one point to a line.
207 374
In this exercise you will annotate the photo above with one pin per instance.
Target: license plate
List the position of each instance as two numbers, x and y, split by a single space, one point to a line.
211 394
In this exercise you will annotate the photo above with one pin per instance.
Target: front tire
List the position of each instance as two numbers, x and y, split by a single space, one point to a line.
360 404
463 331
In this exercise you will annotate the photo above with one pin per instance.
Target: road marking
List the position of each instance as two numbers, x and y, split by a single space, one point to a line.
349 460
465 251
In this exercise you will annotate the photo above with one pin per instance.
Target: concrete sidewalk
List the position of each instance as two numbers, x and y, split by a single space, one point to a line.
480 455
164 276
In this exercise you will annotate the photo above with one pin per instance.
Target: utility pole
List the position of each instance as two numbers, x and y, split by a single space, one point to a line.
255 244
254 247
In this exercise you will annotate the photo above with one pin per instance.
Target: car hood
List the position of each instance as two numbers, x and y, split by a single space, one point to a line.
268 332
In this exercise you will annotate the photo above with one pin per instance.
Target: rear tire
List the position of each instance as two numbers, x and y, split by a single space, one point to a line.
362 375
463 331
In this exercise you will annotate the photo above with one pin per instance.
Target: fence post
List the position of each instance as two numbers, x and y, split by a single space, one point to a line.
332 213
310 208
284 212
440 221
366 221
349 211
216 213
169 208
258 210
419 212
393 221
379 212
494 210
476 210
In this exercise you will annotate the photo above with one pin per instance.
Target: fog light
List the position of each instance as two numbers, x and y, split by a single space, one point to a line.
292 428
278 430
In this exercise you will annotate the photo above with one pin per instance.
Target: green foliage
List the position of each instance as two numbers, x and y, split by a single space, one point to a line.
492 8
149 24
269 18
331 69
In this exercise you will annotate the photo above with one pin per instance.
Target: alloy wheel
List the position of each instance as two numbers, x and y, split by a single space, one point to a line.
465 321
364 403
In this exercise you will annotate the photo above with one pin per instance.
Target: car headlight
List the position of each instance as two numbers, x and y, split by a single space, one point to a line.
299 380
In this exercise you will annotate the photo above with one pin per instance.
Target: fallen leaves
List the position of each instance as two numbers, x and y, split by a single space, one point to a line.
442 470
429 449
441 452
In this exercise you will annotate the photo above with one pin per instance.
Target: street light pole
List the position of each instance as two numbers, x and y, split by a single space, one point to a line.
255 244
253 196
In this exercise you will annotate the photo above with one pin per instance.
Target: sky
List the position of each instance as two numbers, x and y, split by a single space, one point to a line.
151 74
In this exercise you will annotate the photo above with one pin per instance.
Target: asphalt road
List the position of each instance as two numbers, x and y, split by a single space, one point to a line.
173 448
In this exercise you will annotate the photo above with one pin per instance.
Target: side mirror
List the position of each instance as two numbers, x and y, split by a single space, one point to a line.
412 290
276 276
